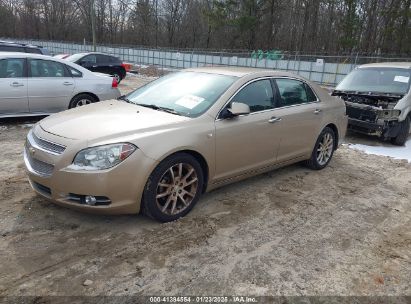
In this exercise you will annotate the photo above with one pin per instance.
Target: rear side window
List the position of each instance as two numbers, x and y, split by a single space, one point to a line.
47 68
11 48
114 60
103 59
33 50
294 92
74 72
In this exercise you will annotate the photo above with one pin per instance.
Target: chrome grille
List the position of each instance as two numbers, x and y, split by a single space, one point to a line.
47 145
37 166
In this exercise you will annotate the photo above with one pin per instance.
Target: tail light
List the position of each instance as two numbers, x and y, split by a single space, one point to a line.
114 83
126 66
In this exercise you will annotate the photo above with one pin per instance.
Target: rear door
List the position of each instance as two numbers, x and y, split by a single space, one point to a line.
13 86
300 118
50 86
104 64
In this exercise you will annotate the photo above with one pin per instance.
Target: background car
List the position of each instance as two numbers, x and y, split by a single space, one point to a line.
378 100
40 85
6 46
100 62
163 145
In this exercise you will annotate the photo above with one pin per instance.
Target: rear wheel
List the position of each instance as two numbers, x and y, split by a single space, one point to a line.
117 77
81 100
323 150
403 134
173 188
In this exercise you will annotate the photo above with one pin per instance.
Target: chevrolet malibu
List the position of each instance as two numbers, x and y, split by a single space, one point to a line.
160 147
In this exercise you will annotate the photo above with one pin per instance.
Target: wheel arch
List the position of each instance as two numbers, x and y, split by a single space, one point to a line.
333 127
201 160
87 93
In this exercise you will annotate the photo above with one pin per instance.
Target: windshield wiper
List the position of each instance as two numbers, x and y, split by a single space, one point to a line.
158 108
124 98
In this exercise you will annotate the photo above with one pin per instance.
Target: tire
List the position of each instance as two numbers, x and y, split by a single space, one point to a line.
117 77
403 133
325 146
165 197
81 100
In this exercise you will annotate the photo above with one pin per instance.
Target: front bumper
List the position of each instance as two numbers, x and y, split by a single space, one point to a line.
368 120
121 187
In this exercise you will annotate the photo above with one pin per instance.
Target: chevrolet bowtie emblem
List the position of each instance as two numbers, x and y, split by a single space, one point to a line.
32 150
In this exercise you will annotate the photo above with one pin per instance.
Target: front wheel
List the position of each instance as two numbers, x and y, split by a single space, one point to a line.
403 133
173 188
323 150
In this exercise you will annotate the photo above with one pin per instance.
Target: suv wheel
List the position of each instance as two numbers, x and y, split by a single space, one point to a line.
403 134
173 188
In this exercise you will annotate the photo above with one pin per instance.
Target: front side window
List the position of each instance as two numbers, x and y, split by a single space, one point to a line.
258 95
293 92
11 68
46 68
186 93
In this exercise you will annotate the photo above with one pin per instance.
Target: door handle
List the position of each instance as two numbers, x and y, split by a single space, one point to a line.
94 66
317 111
16 84
67 83
274 119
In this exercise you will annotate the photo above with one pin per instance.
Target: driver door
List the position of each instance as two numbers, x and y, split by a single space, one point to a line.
248 142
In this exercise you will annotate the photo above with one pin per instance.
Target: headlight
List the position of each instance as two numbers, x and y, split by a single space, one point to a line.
102 157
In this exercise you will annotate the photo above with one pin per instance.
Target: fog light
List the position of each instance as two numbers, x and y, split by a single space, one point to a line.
90 200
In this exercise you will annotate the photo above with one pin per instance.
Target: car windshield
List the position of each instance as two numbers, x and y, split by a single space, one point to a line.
75 57
185 93
377 80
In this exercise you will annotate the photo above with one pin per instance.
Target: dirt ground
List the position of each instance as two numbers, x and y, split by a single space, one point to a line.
345 230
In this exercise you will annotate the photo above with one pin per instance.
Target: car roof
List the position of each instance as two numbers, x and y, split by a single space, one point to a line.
400 65
11 43
95 53
240 71
23 55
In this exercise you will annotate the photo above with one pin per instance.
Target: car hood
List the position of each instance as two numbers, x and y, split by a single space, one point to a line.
103 120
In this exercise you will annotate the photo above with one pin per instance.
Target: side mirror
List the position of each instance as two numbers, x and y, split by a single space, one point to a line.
239 108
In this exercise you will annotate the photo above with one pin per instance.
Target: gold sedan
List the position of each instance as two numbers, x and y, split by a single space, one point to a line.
160 147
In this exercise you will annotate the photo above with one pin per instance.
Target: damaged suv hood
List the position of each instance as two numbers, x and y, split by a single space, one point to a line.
373 99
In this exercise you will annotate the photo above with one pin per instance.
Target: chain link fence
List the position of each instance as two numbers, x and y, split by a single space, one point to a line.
323 69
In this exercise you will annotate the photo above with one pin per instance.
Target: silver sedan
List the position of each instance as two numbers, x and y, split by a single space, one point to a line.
33 84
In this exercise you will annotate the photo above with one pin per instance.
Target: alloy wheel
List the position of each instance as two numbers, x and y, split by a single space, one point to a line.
325 149
177 188
83 102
